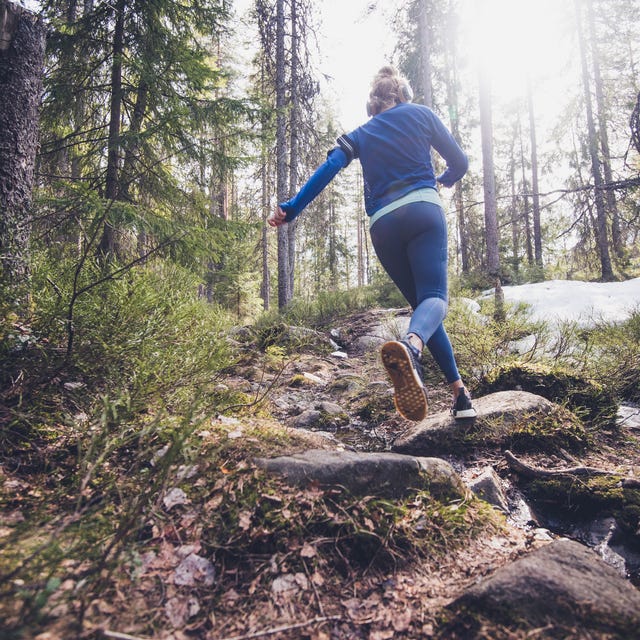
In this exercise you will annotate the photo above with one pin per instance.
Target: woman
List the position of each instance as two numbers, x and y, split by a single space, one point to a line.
407 226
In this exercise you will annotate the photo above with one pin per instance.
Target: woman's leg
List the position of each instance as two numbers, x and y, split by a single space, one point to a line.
412 247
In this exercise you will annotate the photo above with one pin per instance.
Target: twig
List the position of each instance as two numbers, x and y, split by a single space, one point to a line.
116 635
315 590
286 627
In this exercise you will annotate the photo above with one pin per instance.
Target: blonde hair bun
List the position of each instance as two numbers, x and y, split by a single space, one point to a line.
388 88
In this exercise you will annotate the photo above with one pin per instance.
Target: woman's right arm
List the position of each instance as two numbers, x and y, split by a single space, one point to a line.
445 144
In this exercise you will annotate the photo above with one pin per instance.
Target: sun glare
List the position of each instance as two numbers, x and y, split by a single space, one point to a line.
515 39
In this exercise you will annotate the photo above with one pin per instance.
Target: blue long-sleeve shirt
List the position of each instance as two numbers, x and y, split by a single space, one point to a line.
394 148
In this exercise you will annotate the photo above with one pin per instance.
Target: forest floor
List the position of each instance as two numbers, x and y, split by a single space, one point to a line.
215 553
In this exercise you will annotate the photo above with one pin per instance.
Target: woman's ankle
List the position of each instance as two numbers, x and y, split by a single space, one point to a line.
415 341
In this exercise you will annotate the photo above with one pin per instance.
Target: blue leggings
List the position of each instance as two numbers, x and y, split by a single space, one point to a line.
411 244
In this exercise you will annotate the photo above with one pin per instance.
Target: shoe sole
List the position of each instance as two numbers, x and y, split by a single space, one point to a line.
465 413
410 396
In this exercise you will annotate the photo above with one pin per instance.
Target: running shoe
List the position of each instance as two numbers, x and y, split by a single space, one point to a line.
463 407
402 363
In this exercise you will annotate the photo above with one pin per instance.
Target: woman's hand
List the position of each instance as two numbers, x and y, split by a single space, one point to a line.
276 219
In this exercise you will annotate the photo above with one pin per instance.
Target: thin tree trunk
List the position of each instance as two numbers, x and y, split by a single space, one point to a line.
515 236
284 291
537 228
22 43
265 286
333 253
425 54
601 218
610 196
452 99
108 242
129 173
525 204
489 181
360 247
294 124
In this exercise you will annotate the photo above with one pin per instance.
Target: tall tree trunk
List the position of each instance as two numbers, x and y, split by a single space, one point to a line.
601 217
525 203
425 53
284 291
489 182
360 246
537 229
265 286
515 235
452 99
610 195
129 171
108 245
294 125
22 42
333 244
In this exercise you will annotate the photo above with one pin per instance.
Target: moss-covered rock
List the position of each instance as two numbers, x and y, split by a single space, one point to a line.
590 400
561 590
508 419
588 496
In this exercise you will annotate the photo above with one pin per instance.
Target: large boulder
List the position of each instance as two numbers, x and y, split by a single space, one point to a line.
593 401
516 419
561 590
381 474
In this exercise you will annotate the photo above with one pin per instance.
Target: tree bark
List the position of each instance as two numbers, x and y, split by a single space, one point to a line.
452 99
537 229
284 292
489 180
108 242
525 203
294 126
610 196
22 43
601 217
425 54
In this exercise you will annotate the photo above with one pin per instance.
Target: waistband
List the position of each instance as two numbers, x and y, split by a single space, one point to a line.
427 194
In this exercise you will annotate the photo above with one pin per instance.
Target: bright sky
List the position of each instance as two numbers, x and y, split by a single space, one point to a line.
513 37
354 44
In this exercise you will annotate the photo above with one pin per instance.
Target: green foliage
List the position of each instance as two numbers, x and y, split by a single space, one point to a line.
481 344
328 306
614 356
316 312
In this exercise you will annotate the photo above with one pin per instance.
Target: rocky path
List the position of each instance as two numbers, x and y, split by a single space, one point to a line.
538 582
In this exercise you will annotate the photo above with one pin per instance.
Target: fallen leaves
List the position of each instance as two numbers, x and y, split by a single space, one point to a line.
194 571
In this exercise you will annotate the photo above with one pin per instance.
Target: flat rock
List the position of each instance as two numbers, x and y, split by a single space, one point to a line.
562 589
382 474
497 413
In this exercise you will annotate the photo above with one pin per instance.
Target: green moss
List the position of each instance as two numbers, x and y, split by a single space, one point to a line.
589 497
374 408
557 430
591 401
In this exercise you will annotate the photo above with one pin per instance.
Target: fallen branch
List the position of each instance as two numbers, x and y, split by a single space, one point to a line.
286 627
536 472
116 635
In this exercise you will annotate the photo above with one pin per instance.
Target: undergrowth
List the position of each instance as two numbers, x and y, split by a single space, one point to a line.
110 401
